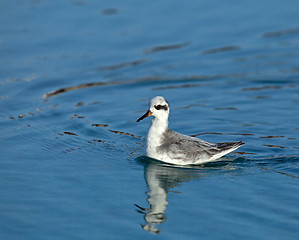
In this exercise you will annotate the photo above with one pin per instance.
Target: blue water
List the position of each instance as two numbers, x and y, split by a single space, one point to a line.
76 75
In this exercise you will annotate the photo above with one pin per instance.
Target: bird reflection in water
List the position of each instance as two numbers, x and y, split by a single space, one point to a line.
160 178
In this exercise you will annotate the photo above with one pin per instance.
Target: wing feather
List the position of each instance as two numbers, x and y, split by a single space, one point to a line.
179 146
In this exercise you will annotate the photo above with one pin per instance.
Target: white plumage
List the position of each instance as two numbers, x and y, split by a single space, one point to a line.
175 148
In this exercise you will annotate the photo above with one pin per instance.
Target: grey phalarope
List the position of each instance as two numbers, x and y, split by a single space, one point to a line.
169 146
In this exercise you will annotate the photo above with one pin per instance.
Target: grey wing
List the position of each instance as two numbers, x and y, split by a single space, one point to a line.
180 147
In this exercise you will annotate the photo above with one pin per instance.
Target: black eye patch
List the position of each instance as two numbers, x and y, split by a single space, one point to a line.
158 107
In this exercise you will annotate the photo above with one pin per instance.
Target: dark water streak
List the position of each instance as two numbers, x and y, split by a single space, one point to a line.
75 77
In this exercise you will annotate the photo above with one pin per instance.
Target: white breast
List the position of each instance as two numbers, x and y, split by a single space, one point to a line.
154 137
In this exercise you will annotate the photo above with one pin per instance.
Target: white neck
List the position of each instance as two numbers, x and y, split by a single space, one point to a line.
158 127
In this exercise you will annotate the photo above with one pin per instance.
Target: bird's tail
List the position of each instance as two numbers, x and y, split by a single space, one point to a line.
229 145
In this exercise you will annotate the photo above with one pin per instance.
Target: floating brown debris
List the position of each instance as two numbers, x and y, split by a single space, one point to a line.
166 47
94 84
174 87
94 141
99 125
274 146
272 137
79 104
98 140
241 134
70 133
76 116
281 32
67 89
226 108
22 115
70 150
141 80
124 133
192 105
261 88
245 153
121 65
221 49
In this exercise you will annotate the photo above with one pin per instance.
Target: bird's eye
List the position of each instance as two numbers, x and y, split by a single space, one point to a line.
158 107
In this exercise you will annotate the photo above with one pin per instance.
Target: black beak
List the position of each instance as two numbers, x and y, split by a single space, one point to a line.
147 114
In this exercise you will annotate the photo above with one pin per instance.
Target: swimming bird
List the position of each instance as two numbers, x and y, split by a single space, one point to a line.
172 147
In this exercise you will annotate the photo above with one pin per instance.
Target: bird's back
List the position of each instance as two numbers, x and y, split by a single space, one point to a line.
183 149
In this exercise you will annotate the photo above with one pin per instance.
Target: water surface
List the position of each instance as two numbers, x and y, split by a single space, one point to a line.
76 75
